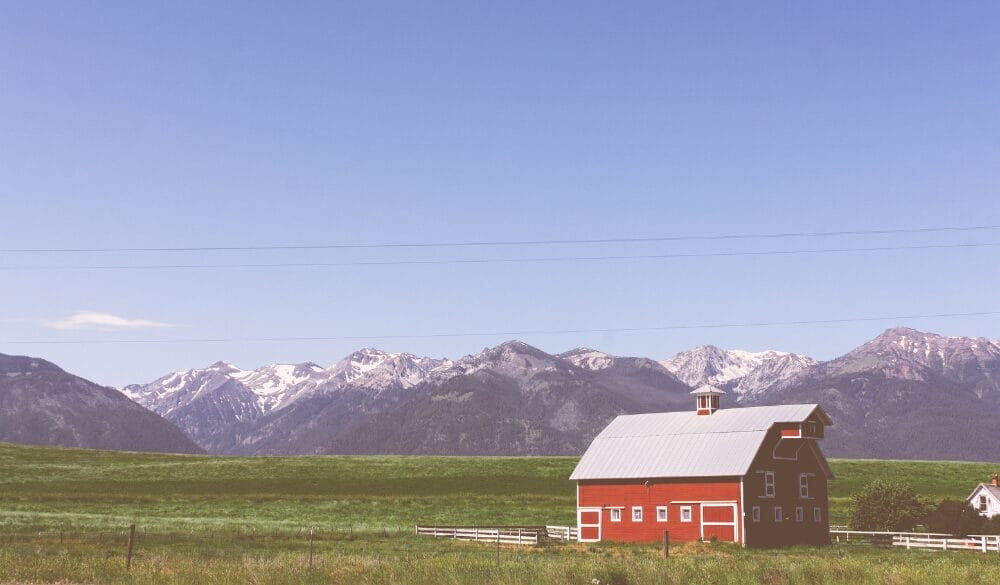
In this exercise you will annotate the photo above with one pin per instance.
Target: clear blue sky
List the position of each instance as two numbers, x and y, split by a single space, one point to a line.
165 124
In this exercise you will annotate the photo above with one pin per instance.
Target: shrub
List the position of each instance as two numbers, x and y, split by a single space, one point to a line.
955 517
887 506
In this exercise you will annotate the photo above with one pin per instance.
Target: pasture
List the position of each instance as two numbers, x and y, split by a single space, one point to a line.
245 520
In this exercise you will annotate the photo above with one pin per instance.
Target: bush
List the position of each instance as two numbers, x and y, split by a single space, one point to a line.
955 517
887 506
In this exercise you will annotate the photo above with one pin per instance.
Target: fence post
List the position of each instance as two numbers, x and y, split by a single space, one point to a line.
666 543
131 543
310 548
518 536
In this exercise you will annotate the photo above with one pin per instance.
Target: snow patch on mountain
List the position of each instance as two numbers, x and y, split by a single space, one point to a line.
744 373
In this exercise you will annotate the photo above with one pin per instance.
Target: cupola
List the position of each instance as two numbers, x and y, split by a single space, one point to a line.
707 398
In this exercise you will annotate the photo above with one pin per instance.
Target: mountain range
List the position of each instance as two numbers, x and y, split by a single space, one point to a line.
904 394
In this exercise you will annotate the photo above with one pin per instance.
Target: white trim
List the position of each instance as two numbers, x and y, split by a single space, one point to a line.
779 515
580 526
755 514
611 514
743 512
735 523
804 476
703 501
800 514
666 513
774 449
690 514
634 510
773 484
817 515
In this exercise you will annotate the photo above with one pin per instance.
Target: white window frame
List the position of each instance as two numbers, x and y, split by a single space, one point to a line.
983 503
800 514
769 484
686 511
636 513
755 514
615 512
804 486
817 515
666 513
778 515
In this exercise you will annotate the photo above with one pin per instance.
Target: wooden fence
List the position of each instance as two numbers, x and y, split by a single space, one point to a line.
838 535
983 543
561 532
497 534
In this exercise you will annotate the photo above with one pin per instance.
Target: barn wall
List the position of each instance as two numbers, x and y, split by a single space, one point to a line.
607 494
789 531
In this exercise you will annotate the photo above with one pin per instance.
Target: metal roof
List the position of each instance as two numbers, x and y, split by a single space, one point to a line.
707 389
684 444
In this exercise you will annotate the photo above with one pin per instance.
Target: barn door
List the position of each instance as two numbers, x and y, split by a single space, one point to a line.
719 521
588 524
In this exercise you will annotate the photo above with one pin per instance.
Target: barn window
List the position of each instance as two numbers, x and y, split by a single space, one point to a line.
803 485
636 513
616 514
768 484
661 513
812 427
755 513
800 514
685 513
982 503
778 514
817 515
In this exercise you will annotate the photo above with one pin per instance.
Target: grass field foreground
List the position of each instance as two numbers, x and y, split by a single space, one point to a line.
246 520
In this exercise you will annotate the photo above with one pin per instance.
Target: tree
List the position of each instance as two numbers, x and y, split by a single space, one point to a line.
956 518
887 507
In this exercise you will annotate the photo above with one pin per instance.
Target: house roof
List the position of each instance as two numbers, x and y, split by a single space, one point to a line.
992 489
684 444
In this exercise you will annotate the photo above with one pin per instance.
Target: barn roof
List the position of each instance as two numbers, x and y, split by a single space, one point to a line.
684 444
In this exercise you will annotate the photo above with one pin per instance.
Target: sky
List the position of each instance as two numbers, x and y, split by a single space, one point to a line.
152 125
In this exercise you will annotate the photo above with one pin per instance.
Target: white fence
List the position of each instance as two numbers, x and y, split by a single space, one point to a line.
561 532
838 535
984 543
485 534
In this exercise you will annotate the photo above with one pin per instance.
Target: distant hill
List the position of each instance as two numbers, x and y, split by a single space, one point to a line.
40 404
904 394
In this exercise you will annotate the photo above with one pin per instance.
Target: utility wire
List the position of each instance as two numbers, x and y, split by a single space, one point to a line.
497 260
506 333
487 243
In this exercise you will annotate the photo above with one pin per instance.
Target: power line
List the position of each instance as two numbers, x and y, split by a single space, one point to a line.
507 333
487 243
500 260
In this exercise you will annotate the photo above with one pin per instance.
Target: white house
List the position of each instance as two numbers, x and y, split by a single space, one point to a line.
986 497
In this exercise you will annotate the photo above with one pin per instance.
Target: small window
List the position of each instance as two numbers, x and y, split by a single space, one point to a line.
636 513
800 514
982 503
616 514
755 513
768 484
685 513
803 485
817 515
778 515
661 513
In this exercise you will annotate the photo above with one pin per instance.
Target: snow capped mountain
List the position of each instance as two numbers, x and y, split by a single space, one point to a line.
744 373
589 359
178 389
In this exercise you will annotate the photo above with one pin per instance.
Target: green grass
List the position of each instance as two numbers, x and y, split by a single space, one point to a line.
240 520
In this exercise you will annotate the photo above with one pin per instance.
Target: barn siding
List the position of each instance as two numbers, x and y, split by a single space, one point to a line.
767 532
626 494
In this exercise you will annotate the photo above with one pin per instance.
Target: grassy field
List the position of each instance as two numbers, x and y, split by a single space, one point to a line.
245 520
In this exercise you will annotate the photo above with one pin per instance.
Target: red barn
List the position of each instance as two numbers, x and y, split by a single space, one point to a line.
754 476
